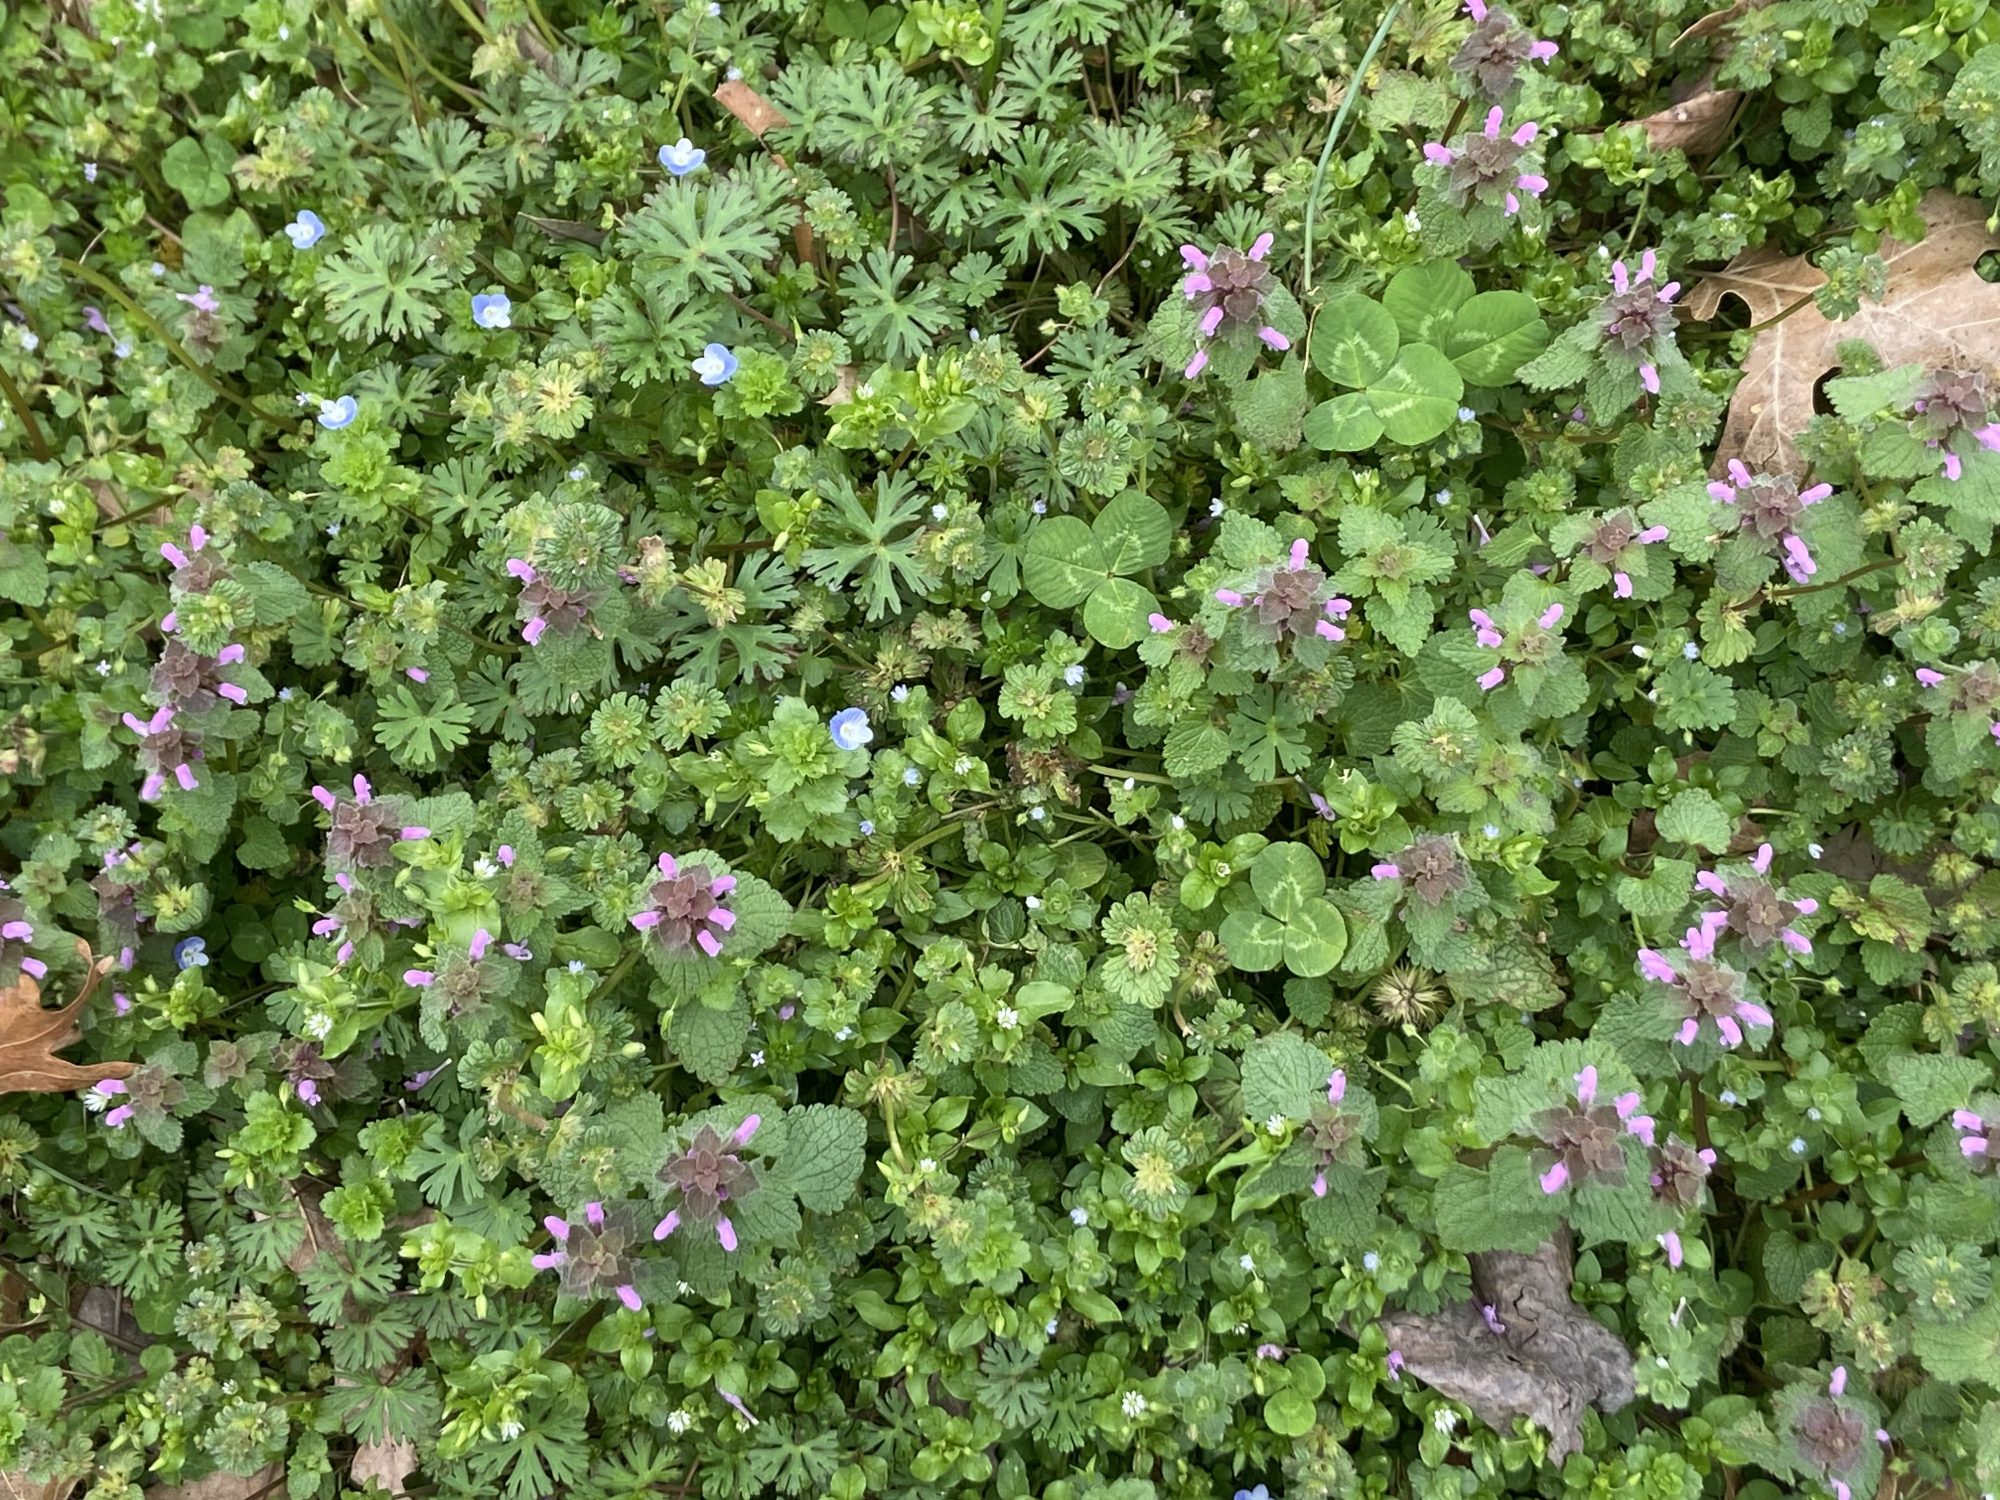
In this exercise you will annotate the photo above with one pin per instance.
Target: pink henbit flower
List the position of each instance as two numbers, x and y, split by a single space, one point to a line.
1330 1133
1530 646
164 749
194 573
364 832
1679 1172
1395 1364
594 1257
707 1177
98 1099
1614 545
1227 291
1159 624
1953 403
1671 1243
16 932
201 300
188 680
1768 507
684 908
542 606
1979 1139
1754 909
1637 319
1588 1137
1292 600
1493 55
1432 866
1484 167
1705 990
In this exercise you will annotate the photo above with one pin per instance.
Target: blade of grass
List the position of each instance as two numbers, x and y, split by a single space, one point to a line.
1339 121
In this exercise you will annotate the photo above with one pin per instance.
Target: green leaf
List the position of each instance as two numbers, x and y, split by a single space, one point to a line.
1315 939
1695 817
1134 532
1354 341
198 170
1285 877
1425 298
1270 409
1115 615
1256 943
1345 424
1289 1413
1662 893
708 1042
1930 1086
1062 562
1494 334
825 1149
1417 398
1283 1074
1967 1351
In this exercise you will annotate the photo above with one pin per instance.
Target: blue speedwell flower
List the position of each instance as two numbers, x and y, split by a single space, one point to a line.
334 415
850 729
682 157
307 230
1260 1493
493 311
191 953
716 364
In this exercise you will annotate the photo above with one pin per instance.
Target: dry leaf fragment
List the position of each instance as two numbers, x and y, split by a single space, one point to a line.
388 1463
223 1485
757 113
30 1037
1935 311
1540 1356
1696 125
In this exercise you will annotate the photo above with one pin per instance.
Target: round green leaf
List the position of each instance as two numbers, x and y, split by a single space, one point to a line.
1285 877
1116 614
1494 334
1062 562
1256 943
1134 531
1354 341
1289 1413
1283 1074
1315 938
1418 398
1423 299
1346 424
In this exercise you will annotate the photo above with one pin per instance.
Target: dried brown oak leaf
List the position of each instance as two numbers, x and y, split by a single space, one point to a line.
30 1037
1541 1357
757 113
1934 311
1696 125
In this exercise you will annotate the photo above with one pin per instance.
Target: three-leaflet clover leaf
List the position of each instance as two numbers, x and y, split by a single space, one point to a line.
1067 562
1407 392
1285 920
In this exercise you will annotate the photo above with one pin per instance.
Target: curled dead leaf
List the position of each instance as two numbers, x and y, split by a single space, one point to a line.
30 1037
757 113
1715 20
1935 311
1697 125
